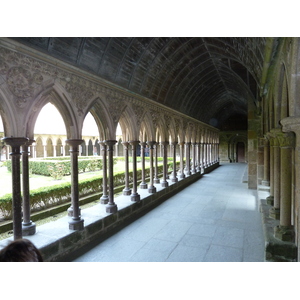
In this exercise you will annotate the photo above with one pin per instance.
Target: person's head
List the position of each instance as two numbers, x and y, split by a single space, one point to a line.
20 251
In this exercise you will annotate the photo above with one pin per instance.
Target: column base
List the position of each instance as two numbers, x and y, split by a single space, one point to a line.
181 175
143 186
28 229
156 180
265 182
164 183
135 197
174 179
284 233
126 192
274 213
270 200
76 224
104 199
70 211
152 189
111 208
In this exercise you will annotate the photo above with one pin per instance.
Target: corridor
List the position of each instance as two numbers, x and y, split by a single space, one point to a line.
215 219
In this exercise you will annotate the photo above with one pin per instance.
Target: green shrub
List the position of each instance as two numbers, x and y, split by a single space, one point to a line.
45 197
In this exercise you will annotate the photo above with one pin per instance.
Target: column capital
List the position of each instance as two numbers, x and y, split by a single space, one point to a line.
125 144
110 143
174 143
134 143
151 144
74 142
15 141
143 144
287 140
165 143
291 124
181 143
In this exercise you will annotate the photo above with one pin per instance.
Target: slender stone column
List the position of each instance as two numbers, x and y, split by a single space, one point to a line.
156 179
104 197
111 206
15 143
174 173
188 161
76 223
270 198
151 188
143 184
28 227
194 158
164 182
275 210
134 196
292 124
198 169
202 157
181 145
285 230
266 180
126 190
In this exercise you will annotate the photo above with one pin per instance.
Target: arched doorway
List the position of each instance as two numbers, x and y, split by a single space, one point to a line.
240 152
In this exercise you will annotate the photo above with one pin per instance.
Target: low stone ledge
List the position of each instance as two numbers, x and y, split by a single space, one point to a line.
58 243
275 249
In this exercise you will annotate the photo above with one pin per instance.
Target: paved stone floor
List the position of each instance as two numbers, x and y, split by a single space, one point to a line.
216 219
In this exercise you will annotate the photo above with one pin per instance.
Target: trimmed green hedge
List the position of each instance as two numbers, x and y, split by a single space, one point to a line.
45 197
41 166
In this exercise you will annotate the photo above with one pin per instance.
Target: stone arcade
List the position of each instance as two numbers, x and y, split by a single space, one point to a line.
208 100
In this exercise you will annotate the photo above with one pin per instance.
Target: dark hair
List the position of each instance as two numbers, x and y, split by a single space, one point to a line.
20 251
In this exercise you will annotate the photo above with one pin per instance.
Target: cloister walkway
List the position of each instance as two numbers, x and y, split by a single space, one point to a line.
215 219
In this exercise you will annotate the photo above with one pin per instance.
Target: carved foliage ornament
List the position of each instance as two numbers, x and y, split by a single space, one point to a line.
116 107
80 95
22 83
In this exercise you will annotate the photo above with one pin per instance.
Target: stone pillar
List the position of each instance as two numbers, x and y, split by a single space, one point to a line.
205 155
275 210
270 198
15 143
188 161
143 184
126 190
292 124
76 223
134 196
202 157
151 188
111 206
164 182
181 145
45 150
156 179
198 158
28 227
266 179
193 171
285 230
104 197
174 174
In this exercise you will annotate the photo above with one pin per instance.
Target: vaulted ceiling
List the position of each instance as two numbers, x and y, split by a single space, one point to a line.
209 79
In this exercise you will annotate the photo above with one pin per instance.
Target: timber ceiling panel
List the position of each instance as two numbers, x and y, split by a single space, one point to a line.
209 79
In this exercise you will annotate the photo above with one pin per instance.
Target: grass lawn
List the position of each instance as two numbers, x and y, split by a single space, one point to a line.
37 181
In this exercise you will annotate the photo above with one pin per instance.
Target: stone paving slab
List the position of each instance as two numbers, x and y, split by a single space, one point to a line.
215 219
